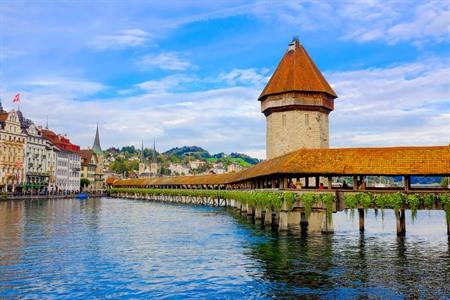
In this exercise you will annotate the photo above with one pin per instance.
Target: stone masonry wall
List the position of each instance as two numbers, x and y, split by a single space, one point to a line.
291 130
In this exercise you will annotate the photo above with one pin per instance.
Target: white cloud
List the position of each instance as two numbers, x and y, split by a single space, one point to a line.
165 61
401 105
125 38
245 77
165 84
391 21
64 86
431 22
395 21
210 119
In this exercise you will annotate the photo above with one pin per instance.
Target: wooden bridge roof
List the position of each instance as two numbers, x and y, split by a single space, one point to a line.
179 180
390 161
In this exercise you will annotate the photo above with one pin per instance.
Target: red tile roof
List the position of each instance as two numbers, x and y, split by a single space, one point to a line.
61 142
296 73
3 116
86 156
111 179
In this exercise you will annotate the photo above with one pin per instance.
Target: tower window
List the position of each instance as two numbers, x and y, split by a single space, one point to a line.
306 119
283 119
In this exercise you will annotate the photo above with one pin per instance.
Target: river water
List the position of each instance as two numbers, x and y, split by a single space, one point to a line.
116 248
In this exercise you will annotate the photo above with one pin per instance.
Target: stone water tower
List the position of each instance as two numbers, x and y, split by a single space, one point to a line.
296 102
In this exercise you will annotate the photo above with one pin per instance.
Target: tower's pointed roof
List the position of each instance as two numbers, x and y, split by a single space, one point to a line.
296 73
96 148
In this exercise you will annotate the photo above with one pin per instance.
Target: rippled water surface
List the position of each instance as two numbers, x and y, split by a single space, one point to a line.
136 249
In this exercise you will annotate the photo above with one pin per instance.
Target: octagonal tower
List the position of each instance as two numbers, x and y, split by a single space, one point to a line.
296 102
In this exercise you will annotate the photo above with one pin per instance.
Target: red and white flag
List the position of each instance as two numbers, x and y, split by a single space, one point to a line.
16 98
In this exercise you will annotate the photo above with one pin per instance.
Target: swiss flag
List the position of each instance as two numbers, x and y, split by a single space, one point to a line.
16 98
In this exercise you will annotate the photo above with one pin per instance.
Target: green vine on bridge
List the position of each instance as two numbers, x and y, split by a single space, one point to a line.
264 199
398 201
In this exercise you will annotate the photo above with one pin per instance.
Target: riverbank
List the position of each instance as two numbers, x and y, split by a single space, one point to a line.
45 197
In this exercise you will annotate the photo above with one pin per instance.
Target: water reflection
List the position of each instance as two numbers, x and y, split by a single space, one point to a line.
121 248
350 264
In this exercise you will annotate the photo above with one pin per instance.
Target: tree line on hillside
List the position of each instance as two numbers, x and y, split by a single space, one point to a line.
127 158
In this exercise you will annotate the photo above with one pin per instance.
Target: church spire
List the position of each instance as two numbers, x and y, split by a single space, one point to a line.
154 157
96 148
142 152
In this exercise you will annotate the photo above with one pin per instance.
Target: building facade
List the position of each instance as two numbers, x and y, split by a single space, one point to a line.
92 165
99 159
68 162
296 102
52 154
36 159
12 151
89 168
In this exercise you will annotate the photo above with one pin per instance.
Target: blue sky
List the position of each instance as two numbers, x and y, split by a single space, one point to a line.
189 72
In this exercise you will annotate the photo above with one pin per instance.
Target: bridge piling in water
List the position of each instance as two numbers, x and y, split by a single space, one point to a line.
258 213
448 227
400 221
361 219
268 217
294 219
283 224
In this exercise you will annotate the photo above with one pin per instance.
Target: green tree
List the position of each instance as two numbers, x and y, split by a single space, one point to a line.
84 182
444 182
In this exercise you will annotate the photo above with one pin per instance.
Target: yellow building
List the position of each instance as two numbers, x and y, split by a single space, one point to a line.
12 150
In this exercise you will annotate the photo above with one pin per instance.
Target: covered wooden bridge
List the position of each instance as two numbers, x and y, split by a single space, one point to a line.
308 168
314 170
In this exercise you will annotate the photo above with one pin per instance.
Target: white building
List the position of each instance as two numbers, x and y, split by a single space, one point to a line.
68 166
36 159
179 169
195 164
234 168
68 162
52 153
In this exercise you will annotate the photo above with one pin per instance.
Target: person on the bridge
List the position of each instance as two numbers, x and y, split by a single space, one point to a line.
321 187
292 185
